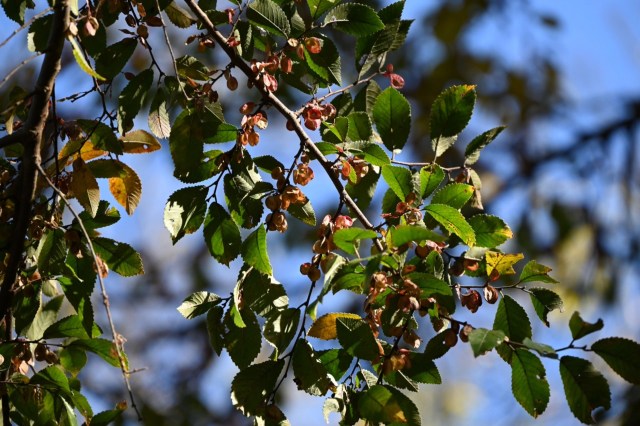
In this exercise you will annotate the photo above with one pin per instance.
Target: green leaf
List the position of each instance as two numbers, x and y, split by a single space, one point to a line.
254 251
139 142
544 301
318 7
450 113
528 382
472 153
105 418
541 348
360 128
105 216
180 17
185 211
392 116
429 284
261 293
511 319
453 221
399 180
251 386
198 303
347 239
14 9
158 118
580 328
190 67
73 360
430 178
105 349
404 234
356 337
303 212
70 326
215 329
221 234
326 328
326 65
385 404
46 315
483 340
366 98
132 98
501 262
121 258
268 15
455 195
38 36
101 136
111 61
51 377
362 191
82 62
585 388
310 374
336 362
373 154
281 328
267 163
422 369
534 271
621 355
355 19
51 251
243 343
491 231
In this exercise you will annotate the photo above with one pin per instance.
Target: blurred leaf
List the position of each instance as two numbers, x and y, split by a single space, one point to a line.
541 348
158 118
101 136
132 98
429 284
511 319
580 328
252 385
82 62
318 7
325 327
51 377
622 355
544 301
392 116
198 303
85 187
105 349
72 360
483 340
14 9
51 251
303 212
533 271
70 326
528 382
215 328
112 60
185 211
585 388
453 221
180 17
422 369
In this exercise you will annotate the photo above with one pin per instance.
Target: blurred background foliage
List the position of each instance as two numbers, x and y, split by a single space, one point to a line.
566 177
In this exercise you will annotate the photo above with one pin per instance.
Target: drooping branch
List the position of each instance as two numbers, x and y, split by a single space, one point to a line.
288 114
30 137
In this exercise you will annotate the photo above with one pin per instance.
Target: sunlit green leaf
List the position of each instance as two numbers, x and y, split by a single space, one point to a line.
491 231
472 153
268 15
254 251
251 386
388 405
348 239
198 303
121 258
450 113
533 271
455 195
392 116
453 221
185 211
356 19
399 180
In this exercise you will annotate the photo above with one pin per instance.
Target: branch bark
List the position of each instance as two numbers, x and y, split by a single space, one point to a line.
30 137
284 110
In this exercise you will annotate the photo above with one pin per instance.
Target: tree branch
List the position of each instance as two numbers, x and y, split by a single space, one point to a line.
285 111
30 136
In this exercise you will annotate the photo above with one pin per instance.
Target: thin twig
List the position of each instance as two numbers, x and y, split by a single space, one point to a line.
168 42
25 25
17 68
105 297
341 90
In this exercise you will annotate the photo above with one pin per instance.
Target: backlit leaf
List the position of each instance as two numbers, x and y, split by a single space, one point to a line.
404 234
453 221
399 180
120 257
85 187
325 327
430 178
356 337
533 271
585 388
111 61
348 238
221 234
450 113
472 153
544 301
356 19
310 374
455 195
254 251
198 303
483 340
139 142
491 231
385 404
252 385
580 328
185 211
242 343
281 328
528 382
268 15
132 98
621 355
501 262
392 117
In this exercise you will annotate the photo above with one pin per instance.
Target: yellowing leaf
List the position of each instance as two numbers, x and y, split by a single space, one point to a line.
85 187
126 188
82 62
503 263
139 142
79 147
325 326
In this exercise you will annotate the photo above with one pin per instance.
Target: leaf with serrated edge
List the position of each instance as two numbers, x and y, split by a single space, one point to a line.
81 61
491 231
269 16
404 234
346 238
451 111
85 187
453 221
254 251
242 343
251 386
126 189
585 388
221 234
512 319
392 116
533 271
455 195
139 142
622 355
472 153
483 340
528 382
501 262
356 19
399 180
385 404
120 257
198 303
325 327
185 211
544 301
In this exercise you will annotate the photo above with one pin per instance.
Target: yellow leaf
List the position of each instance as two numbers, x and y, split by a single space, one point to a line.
139 142
87 151
503 263
85 187
325 326
82 62
126 188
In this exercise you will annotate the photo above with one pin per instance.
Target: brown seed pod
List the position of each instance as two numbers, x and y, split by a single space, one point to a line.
491 294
